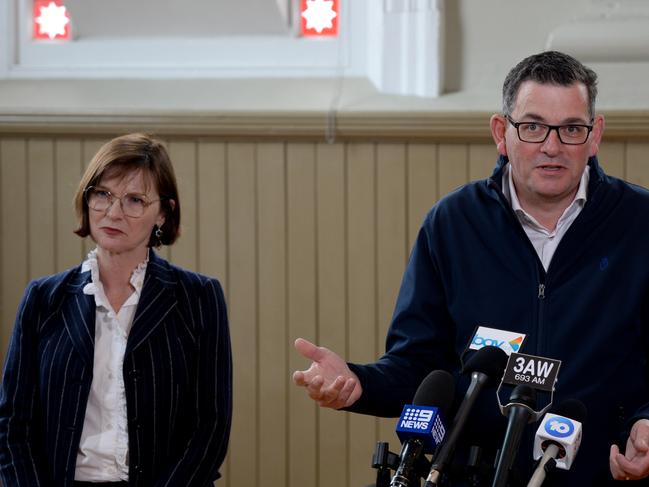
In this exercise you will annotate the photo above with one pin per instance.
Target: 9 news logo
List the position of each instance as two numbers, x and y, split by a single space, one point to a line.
416 418
559 427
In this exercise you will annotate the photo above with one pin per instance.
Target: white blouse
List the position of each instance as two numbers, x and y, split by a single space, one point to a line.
103 450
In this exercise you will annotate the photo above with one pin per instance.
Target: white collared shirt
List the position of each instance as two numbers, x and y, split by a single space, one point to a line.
545 242
103 449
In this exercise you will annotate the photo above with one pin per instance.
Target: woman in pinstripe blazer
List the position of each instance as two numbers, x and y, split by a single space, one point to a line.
119 370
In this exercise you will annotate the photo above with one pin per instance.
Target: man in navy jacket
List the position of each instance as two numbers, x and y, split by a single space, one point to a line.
549 246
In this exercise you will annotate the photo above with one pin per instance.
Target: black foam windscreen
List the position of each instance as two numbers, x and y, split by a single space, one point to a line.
573 409
489 360
437 389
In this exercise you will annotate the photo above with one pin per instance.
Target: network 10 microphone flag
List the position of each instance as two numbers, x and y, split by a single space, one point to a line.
423 422
564 432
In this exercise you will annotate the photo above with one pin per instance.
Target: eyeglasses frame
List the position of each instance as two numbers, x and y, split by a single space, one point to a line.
516 125
114 197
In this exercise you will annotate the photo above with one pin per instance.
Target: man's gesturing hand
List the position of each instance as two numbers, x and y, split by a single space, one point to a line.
328 380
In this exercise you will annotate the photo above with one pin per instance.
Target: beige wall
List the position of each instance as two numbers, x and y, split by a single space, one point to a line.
309 239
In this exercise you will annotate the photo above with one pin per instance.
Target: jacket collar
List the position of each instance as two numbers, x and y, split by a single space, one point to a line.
156 301
78 314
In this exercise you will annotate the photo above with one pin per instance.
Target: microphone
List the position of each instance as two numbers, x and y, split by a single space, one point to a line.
557 439
519 411
486 367
420 427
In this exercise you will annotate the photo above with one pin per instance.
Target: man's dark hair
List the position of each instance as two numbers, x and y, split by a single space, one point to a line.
550 67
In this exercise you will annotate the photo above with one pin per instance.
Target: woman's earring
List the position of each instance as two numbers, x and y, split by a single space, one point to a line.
158 235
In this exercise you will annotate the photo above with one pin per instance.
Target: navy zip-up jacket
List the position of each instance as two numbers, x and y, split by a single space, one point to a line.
472 264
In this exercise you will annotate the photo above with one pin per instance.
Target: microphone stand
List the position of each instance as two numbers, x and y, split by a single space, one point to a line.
546 464
383 460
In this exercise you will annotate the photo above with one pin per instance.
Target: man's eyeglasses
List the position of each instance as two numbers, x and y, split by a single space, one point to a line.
133 204
536 133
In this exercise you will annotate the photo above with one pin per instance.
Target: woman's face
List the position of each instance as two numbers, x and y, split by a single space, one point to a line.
116 232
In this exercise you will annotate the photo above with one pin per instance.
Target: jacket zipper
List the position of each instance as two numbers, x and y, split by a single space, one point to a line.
541 276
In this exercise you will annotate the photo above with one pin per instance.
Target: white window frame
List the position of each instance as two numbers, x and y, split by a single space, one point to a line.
362 23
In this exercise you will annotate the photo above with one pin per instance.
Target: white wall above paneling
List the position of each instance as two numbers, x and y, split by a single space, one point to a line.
481 40
408 36
193 39
610 32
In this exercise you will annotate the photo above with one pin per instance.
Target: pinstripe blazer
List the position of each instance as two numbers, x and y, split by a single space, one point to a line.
177 377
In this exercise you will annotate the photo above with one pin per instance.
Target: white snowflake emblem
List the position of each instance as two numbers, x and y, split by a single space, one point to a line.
319 14
52 20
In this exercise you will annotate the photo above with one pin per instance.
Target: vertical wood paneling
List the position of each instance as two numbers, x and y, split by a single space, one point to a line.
212 210
637 167
363 339
482 161
185 251
453 167
422 185
275 344
308 240
212 224
330 217
611 157
68 168
392 242
14 225
243 298
302 313
40 193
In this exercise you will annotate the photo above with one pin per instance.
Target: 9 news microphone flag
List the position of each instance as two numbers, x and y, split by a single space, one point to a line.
420 427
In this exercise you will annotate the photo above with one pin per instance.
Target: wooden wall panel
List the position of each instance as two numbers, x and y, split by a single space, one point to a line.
275 343
364 342
453 167
422 185
14 223
637 163
331 322
308 239
68 169
40 207
303 435
392 242
243 300
612 158
482 161
211 214
185 251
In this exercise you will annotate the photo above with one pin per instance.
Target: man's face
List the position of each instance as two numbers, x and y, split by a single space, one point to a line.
549 172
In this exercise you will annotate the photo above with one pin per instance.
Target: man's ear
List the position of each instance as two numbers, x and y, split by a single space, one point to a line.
498 125
596 135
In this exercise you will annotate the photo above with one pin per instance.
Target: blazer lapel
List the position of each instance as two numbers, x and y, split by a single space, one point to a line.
78 312
157 300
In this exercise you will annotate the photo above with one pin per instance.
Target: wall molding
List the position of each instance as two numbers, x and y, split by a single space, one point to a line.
438 126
